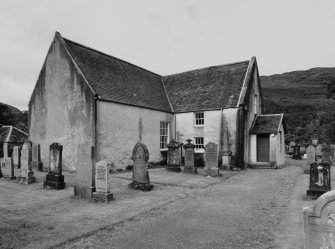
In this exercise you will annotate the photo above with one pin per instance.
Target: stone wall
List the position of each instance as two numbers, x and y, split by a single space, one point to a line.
61 108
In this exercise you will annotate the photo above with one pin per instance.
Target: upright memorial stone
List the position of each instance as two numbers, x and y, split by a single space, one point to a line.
310 158
140 157
189 157
226 153
319 223
26 172
102 183
296 153
36 157
173 156
319 179
326 154
54 178
211 159
16 157
332 153
85 172
8 169
318 152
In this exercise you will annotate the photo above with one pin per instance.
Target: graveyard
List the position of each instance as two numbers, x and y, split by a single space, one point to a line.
44 217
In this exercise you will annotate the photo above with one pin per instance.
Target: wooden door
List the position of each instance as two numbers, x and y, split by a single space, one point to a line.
263 148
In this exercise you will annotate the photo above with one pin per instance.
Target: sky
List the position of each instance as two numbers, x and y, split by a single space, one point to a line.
165 37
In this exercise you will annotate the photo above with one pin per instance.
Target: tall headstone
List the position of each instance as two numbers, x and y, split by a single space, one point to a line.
318 152
332 153
319 223
189 157
326 154
296 153
54 178
85 172
226 153
16 157
211 159
140 157
26 173
319 179
173 156
102 183
8 169
5 150
310 151
36 157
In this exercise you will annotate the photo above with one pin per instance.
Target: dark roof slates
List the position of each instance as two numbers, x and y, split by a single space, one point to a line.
266 124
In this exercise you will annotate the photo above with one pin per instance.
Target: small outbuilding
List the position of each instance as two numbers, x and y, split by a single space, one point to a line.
267 140
10 136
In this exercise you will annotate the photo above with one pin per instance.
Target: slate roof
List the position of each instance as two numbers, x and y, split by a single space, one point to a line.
116 80
267 124
207 88
119 81
11 134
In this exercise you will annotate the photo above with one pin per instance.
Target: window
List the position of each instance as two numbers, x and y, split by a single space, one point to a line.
164 135
199 118
199 143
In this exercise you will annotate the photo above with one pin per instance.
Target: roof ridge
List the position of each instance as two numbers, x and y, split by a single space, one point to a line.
202 68
104 54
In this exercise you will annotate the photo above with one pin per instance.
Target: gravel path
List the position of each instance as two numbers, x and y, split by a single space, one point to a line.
244 211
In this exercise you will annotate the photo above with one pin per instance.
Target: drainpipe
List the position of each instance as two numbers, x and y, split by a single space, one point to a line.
96 127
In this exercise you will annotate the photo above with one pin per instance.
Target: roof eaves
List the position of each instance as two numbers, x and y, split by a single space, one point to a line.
20 131
244 87
74 62
167 96
9 134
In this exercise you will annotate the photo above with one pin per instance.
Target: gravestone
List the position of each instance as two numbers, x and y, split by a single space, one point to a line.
26 173
102 183
16 157
85 172
173 156
319 179
291 148
319 223
296 153
332 153
5 150
8 169
326 154
211 159
310 151
318 152
54 178
36 157
302 150
140 157
226 153
189 157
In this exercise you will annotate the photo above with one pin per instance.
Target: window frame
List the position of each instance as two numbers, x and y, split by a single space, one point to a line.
167 135
197 148
200 119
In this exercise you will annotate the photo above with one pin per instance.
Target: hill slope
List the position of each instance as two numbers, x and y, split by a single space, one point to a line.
302 96
10 115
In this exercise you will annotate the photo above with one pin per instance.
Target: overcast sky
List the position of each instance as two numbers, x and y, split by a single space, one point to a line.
165 36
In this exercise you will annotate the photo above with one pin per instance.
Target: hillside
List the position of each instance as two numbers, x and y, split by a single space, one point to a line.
302 96
10 115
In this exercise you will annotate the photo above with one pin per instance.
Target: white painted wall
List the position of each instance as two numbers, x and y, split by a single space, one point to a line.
119 130
185 127
230 121
280 152
253 149
273 147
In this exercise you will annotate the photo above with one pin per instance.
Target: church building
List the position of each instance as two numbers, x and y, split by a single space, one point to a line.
85 96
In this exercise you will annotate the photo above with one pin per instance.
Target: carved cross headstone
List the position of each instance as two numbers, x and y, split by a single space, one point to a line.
211 159
54 178
319 222
189 156
173 156
140 157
